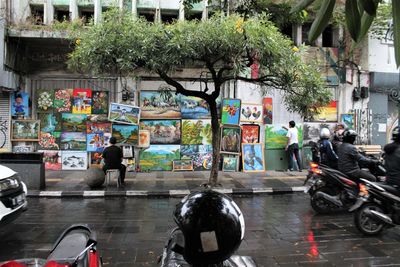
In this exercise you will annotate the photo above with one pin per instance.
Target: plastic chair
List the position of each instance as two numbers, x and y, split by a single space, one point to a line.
113 172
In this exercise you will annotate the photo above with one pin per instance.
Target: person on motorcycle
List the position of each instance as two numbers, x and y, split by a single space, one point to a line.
392 159
327 154
350 158
337 139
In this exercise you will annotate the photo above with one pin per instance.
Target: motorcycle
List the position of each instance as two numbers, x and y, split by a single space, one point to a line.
76 247
377 207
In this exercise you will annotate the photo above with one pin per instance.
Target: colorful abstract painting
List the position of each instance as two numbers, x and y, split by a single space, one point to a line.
230 163
94 127
74 160
73 141
96 157
196 132
25 130
159 105
50 122
96 142
73 122
163 131
194 108
275 136
82 101
348 120
100 102
230 111
251 113
144 138
201 155
52 159
253 157
267 110
159 157
49 141
230 139
126 134
63 100
328 113
20 104
44 100
250 133
124 113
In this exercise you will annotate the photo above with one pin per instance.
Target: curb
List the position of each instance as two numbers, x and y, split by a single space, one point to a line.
161 193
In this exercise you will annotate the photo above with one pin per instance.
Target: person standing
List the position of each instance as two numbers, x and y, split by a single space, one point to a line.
293 146
112 156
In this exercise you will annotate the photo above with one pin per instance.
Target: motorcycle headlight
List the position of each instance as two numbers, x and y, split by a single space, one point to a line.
9 183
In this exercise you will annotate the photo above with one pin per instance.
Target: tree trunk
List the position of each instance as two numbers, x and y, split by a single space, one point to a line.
216 140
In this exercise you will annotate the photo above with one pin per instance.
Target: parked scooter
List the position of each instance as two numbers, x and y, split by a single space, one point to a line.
76 247
210 229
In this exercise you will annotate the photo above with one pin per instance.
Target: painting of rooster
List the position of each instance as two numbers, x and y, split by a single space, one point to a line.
251 113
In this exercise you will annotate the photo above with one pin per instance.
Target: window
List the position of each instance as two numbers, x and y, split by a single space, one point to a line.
304 33
168 18
194 15
61 14
287 31
147 15
87 15
37 14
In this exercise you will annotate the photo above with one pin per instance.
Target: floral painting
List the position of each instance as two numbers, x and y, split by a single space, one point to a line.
163 131
20 104
73 122
250 133
196 132
144 138
100 102
159 105
74 160
25 130
201 155
63 100
194 108
230 111
49 141
82 101
230 139
52 159
126 134
124 113
73 141
267 110
44 100
50 122
253 157
251 113
159 157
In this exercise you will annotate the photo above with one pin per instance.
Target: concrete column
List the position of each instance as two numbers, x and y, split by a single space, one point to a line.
20 11
296 29
181 11
134 8
157 17
318 42
97 11
121 4
73 10
48 12
205 10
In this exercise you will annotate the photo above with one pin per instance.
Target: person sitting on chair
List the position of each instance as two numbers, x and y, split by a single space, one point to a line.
112 156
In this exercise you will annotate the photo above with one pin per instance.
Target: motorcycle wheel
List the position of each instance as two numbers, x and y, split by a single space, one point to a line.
365 224
319 204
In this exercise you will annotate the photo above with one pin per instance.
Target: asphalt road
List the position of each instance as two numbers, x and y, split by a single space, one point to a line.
281 230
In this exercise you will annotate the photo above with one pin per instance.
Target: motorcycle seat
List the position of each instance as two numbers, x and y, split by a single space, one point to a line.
335 172
390 189
69 247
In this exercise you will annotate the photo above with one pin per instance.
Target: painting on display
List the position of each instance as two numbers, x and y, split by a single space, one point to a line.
182 165
196 132
253 157
201 155
126 134
50 122
20 104
96 142
230 111
159 105
250 133
159 157
348 120
267 110
163 131
94 127
251 113
311 131
100 102
74 160
275 136
230 139
96 157
52 159
63 100
124 113
82 101
97 118
44 100
49 141
130 164
194 108
73 122
73 141
25 130
328 113
144 138
230 163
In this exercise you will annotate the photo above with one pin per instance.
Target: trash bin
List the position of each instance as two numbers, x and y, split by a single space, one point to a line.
29 165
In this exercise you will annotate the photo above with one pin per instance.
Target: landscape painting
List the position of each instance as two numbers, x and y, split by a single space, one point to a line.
196 132
25 130
63 100
124 113
230 163
182 165
144 138
95 142
311 131
98 118
73 122
250 133
159 105
201 155
50 122
73 141
44 100
49 141
253 157
100 102
94 127
194 108
159 157
251 113
74 160
348 120
230 139
275 136
267 110
163 131
230 111
52 159
126 134
20 104
327 113
82 101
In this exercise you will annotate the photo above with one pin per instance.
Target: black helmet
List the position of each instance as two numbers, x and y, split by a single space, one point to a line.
349 136
396 134
212 226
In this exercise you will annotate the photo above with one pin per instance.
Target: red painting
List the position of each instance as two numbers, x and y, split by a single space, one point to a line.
82 101
267 110
250 133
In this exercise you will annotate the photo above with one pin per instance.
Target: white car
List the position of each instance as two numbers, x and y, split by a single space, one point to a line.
12 195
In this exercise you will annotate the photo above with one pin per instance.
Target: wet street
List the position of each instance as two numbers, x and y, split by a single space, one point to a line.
281 230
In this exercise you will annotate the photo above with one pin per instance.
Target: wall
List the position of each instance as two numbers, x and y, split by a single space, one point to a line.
381 56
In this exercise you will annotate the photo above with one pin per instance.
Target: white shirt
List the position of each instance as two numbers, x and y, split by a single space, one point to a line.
292 134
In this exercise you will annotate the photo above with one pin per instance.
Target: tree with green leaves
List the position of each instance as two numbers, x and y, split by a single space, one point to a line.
223 47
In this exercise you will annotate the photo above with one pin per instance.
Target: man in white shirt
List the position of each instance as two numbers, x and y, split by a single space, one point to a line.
293 146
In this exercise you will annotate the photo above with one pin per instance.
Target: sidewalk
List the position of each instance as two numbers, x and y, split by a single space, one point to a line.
171 184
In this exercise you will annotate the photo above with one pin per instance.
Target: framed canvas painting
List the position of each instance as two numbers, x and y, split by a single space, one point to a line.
230 139
159 157
44 100
73 122
159 105
327 113
182 165
267 110
63 100
97 118
94 127
20 104
144 138
348 119
73 141
230 163
312 130
100 102
50 122
253 157
251 113
82 101
95 142
230 111
124 113
250 133
25 130
201 155
74 160
194 108
275 136
96 157
49 141
52 159
196 132
163 131
126 134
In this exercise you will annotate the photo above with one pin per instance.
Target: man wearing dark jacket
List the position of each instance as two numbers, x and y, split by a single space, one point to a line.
392 159
112 156
328 155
